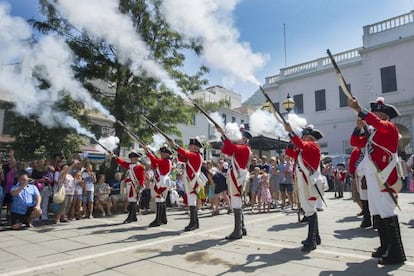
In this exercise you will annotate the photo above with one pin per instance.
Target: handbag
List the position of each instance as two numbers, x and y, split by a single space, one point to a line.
59 195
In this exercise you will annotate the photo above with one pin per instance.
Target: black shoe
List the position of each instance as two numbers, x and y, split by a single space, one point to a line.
391 261
126 221
308 248
366 224
378 252
317 240
233 236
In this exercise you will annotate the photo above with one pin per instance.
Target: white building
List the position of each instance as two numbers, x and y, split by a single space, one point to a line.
200 127
383 66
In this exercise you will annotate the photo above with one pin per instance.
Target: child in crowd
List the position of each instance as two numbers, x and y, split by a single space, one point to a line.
265 193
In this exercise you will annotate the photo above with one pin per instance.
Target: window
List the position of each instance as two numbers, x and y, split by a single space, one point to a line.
343 99
233 119
193 119
388 79
224 118
298 103
8 115
241 122
320 100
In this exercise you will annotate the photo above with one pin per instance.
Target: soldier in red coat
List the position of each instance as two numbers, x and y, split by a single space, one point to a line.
194 179
340 178
307 155
134 179
359 139
239 153
380 165
162 169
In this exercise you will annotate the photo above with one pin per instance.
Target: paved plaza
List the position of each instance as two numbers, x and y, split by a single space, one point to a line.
105 246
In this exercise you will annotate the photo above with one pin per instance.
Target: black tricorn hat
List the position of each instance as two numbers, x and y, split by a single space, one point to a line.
246 134
309 130
380 106
244 129
133 153
165 149
195 141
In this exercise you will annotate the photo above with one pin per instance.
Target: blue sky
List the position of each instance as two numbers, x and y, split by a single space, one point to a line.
312 26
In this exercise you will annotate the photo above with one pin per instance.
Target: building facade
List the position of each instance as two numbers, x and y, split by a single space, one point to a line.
382 67
200 127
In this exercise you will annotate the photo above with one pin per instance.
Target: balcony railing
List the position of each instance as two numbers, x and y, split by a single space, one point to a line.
314 65
391 23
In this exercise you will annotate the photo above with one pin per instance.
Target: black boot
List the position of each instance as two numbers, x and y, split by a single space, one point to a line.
310 242
383 236
237 232
157 221
316 230
395 251
132 212
244 230
318 240
128 219
193 219
366 220
375 219
164 213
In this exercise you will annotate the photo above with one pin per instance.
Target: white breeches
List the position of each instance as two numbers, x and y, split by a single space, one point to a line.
309 206
191 199
236 202
380 203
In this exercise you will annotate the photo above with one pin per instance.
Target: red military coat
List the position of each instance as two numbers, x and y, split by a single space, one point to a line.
195 160
138 170
387 137
163 165
241 152
311 152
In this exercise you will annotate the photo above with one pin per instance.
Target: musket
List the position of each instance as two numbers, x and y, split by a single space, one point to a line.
340 77
131 133
348 93
320 194
157 128
216 125
96 141
276 111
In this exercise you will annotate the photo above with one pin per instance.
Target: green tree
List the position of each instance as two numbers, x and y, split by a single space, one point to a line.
132 95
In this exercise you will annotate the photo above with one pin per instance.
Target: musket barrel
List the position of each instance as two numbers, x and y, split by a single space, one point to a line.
340 77
276 111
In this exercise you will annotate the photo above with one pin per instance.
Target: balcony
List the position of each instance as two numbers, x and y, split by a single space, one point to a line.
313 66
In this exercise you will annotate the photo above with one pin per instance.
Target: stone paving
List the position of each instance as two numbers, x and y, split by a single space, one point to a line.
105 246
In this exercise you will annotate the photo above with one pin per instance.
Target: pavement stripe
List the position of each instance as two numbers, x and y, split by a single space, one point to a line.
124 249
183 236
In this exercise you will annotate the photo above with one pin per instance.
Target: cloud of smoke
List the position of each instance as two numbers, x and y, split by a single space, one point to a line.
50 59
211 21
103 19
262 122
110 142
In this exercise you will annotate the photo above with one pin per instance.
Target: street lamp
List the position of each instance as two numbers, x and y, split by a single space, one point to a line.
288 104
266 106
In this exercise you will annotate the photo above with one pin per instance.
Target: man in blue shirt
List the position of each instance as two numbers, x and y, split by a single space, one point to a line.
25 204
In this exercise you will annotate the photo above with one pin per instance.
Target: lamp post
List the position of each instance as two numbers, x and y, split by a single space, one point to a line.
266 106
288 104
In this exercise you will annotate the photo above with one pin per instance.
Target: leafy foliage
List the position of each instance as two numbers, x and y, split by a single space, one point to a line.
124 94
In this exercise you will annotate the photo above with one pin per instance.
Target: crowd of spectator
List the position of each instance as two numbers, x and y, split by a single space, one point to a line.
27 194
